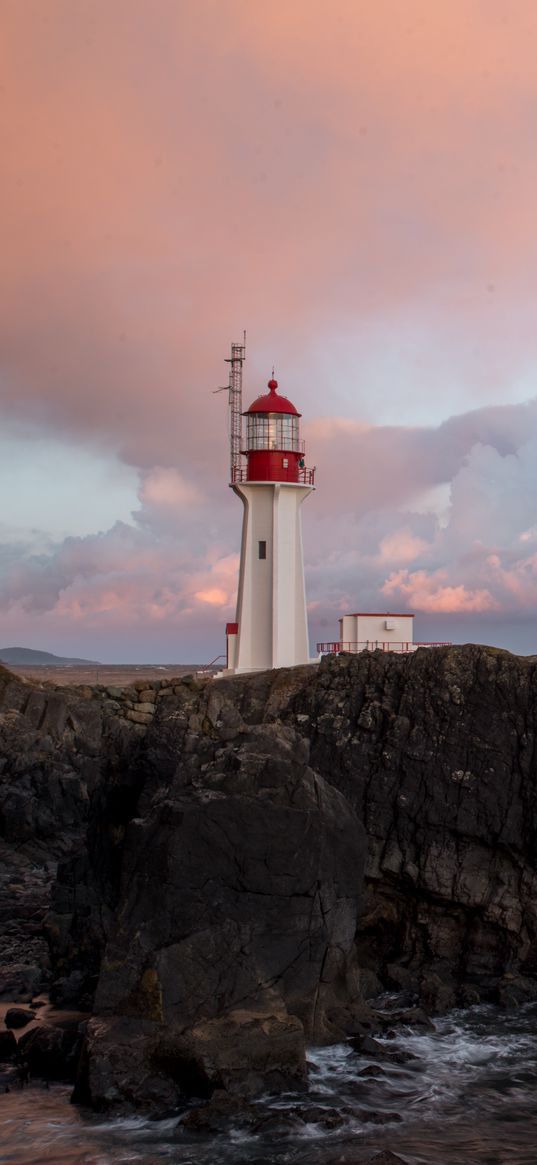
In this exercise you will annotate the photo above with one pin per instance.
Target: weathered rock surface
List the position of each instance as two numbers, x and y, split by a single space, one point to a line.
237 905
250 893
56 746
437 754
221 871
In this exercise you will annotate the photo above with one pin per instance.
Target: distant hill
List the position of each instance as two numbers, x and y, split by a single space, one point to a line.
26 655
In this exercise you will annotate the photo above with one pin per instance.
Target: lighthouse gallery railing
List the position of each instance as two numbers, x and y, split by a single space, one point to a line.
305 476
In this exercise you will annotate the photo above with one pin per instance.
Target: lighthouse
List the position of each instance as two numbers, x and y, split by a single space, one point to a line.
269 474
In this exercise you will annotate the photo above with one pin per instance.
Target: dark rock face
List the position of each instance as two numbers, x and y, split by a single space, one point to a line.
217 892
436 752
43 806
56 746
237 907
249 893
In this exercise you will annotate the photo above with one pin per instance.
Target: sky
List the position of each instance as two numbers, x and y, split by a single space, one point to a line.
353 183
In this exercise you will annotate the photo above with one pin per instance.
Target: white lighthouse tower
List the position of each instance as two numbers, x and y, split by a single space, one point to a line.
270 477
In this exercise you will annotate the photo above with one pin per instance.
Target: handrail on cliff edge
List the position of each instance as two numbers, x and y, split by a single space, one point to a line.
202 670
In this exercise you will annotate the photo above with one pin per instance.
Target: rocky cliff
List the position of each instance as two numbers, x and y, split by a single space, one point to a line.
214 909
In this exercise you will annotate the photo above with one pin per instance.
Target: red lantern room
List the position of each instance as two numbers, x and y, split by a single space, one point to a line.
274 449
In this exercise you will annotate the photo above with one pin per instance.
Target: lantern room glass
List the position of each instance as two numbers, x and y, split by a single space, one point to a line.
273 431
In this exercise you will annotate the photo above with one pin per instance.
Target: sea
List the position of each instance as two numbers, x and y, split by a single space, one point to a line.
467 1094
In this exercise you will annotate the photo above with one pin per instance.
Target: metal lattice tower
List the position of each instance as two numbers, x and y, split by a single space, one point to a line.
238 355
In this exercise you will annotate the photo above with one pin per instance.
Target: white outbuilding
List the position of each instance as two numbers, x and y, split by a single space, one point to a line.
365 631
375 631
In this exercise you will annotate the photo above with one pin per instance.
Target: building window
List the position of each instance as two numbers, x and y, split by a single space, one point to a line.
262 549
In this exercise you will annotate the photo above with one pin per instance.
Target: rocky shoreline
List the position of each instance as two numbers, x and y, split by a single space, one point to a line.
225 871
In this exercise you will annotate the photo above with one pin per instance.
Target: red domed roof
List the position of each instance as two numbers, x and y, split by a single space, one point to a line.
272 402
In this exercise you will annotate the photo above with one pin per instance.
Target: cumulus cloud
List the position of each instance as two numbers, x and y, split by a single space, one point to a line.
367 539
167 487
476 554
401 546
425 591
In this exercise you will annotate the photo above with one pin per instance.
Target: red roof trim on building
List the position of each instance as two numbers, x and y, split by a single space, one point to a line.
379 615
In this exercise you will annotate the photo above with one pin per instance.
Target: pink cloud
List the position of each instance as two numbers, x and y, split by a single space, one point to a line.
430 592
177 562
167 487
214 596
401 546
515 581
346 169
361 178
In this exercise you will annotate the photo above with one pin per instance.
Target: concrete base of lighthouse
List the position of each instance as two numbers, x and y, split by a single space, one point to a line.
272 625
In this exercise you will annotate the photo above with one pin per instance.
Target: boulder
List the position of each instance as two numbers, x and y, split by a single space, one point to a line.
407 1017
367 1046
50 1052
279 1124
142 1063
219 1113
325 1116
18 1017
117 1069
244 1052
127 1061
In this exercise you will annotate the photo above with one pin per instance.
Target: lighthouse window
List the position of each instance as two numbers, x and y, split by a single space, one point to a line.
288 432
273 431
257 432
262 549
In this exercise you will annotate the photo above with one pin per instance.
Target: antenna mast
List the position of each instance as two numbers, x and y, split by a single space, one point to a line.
235 361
